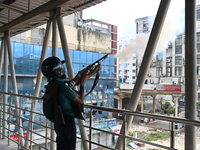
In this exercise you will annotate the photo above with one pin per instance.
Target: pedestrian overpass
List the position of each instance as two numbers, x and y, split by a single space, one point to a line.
17 16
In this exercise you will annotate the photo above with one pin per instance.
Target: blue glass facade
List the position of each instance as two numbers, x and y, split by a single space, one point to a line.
26 59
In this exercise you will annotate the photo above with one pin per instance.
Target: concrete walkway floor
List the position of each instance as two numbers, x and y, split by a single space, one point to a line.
4 145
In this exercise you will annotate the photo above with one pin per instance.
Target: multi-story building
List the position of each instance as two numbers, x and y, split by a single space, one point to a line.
87 43
168 65
126 64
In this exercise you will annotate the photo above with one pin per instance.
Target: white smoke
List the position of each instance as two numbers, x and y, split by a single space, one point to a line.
173 26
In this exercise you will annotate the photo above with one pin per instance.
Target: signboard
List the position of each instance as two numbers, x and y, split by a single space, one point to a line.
172 87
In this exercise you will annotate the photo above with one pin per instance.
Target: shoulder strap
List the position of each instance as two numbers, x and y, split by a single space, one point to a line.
96 80
51 89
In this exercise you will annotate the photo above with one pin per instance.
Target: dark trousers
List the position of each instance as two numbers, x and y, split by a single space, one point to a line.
66 135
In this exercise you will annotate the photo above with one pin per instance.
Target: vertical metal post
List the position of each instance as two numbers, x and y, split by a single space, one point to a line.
70 73
38 83
1 59
190 73
148 55
5 89
14 88
1 55
54 38
124 131
90 130
172 135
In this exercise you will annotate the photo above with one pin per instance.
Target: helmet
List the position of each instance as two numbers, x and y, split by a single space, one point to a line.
53 68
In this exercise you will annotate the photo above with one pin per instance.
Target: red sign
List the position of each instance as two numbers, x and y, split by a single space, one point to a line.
172 87
16 137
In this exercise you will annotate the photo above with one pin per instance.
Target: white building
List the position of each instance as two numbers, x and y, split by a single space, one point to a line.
126 62
168 65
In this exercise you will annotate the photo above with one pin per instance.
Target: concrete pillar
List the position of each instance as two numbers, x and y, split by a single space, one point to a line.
176 105
154 104
120 101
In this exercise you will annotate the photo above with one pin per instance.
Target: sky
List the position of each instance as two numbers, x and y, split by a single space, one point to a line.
124 12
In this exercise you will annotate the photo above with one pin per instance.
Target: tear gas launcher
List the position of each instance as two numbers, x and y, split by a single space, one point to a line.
89 68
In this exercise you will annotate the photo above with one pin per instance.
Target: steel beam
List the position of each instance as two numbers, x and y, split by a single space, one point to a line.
32 15
14 88
38 82
5 89
190 72
148 55
1 59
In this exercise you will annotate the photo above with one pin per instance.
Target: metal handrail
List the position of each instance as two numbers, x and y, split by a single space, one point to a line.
114 110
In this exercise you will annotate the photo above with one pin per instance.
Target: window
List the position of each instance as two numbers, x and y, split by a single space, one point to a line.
198 84
178 60
133 64
198 47
198 59
178 49
158 71
126 71
178 71
133 71
160 56
126 65
137 27
179 39
145 27
159 63
198 14
169 72
198 71
198 36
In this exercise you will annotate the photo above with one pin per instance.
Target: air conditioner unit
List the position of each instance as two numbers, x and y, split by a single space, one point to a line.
153 64
168 65
168 60
151 81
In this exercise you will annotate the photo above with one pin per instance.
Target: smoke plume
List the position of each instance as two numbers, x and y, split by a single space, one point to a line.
173 26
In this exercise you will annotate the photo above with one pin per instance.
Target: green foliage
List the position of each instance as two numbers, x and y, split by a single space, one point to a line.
152 129
138 107
170 110
156 136
128 141
166 105
131 133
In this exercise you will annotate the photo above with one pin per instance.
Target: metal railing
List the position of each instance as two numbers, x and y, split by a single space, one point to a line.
41 133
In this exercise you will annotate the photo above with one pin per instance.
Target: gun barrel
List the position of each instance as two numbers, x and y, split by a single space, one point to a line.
100 60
